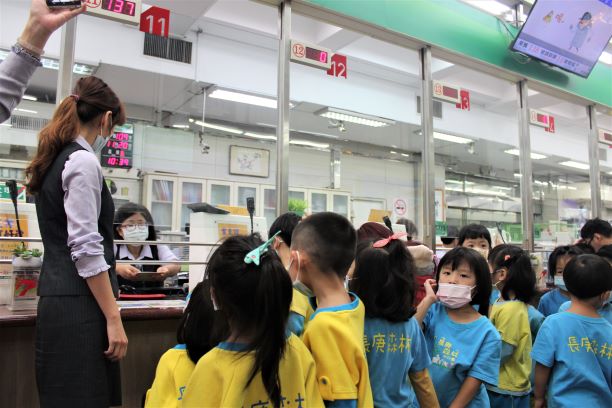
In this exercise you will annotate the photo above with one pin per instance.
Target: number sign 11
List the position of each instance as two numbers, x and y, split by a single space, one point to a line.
155 21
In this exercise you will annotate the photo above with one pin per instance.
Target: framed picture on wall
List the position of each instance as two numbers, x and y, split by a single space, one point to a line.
247 161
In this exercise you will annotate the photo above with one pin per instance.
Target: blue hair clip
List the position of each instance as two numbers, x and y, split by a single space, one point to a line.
255 255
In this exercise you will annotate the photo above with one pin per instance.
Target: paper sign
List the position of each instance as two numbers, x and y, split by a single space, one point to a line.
231 230
378 215
8 228
234 210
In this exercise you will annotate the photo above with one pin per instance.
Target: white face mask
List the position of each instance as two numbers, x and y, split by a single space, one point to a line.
136 235
99 143
454 296
299 286
560 283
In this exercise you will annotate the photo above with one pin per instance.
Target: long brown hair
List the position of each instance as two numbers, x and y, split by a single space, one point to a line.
90 99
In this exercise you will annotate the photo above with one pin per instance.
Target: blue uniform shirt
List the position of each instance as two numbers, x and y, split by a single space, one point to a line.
605 311
394 350
579 351
550 302
459 350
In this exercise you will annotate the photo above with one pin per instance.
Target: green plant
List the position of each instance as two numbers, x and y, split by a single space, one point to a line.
297 206
22 251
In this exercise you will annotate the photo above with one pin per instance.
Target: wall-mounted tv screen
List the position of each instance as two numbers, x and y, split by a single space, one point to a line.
570 34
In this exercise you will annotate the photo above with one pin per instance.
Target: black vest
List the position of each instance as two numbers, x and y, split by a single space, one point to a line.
59 276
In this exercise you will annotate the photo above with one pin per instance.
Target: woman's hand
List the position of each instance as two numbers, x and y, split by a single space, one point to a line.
430 285
43 22
117 340
168 270
127 271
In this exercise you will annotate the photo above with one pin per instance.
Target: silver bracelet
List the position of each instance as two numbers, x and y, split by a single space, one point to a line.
19 50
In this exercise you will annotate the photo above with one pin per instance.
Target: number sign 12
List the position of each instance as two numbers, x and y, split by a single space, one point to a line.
338 66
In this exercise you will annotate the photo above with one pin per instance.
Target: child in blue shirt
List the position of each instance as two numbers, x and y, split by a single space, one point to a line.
551 301
465 347
394 343
573 350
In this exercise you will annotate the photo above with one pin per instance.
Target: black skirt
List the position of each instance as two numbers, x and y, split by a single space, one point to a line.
71 369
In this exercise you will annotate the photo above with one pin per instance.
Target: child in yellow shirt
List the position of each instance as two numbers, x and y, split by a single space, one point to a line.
322 250
177 364
259 363
509 314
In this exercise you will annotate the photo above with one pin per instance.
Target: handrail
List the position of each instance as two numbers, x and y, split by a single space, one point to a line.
121 242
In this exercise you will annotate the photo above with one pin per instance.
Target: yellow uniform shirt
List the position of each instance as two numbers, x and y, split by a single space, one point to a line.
334 336
301 310
173 372
220 378
512 321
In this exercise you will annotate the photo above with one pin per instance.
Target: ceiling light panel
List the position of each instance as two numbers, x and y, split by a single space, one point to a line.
575 165
490 6
534 156
241 97
260 136
452 138
354 117
219 127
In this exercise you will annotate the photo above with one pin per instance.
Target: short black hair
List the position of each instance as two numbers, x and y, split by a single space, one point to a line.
585 248
605 252
569 250
474 231
329 239
126 211
587 276
596 226
479 266
285 224
520 276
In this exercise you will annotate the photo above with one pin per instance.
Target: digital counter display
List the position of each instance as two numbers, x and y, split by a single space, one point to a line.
125 7
118 151
316 55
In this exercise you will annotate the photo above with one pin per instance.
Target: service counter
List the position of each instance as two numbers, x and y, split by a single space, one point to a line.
150 331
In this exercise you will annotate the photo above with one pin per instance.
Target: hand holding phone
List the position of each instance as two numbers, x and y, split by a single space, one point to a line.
53 4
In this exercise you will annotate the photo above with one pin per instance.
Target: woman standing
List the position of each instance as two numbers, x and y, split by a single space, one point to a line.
79 334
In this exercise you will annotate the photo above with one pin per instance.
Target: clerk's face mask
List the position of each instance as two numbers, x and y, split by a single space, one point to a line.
136 234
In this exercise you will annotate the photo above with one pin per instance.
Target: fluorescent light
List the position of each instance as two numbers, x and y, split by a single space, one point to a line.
405 155
502 188
260 136
534 156
452 138
518 175
354 117
540 183
30 98
180 126
191 120
490 6
6 124
26 111
393 152
575 165
454 182
243 98
485 192
606 58
309 144
219 127
567 188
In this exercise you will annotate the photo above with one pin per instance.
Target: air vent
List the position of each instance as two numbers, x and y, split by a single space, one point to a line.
437 108
168 48
28 123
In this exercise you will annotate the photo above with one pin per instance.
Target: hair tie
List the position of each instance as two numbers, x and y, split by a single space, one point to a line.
384 242
76 97
255 255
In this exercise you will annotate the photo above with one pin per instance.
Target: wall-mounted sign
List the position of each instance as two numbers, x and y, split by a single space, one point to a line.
338 66
400 207
446 92
5 193
542 119
123 11
464 94
605 136
118 152
155 21
311 55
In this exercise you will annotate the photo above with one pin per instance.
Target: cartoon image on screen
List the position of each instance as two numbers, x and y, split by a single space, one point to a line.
569 34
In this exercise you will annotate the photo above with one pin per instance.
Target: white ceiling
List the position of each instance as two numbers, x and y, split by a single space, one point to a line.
372 57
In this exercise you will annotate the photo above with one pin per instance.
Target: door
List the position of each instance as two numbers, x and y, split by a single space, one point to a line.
219 192
159 198
191 191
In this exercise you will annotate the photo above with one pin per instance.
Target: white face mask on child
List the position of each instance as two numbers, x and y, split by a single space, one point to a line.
299 286
454 296
560 283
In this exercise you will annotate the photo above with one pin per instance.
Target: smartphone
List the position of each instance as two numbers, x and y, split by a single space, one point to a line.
64 3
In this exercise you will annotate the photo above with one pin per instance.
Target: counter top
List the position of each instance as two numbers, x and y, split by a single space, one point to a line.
28 318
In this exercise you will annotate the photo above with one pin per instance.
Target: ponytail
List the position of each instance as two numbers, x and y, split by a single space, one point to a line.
384 281
255 301
91 98
520 276
52 139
